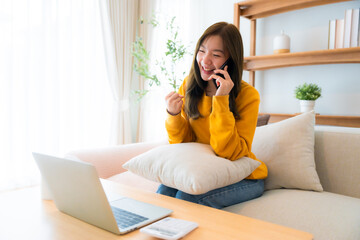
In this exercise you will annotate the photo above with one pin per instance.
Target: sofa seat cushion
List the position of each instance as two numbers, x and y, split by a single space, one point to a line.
327 216
133 180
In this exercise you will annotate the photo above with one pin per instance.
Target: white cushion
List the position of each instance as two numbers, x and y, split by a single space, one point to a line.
190 167
287 149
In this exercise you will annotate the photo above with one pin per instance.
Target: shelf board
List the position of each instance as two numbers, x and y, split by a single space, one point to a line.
345 121
253 9
332 56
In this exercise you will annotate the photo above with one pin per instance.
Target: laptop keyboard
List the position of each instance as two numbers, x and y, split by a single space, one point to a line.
126 219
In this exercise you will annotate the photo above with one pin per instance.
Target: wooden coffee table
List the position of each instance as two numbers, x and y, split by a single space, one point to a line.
24 215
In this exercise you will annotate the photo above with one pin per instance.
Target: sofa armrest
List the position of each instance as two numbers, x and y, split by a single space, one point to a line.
108 161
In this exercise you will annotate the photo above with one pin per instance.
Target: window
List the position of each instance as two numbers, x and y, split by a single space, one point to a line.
54 91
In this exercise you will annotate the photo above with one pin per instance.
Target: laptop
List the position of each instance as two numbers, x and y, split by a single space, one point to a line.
77 191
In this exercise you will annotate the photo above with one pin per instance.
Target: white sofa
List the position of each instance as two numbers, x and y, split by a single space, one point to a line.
331 214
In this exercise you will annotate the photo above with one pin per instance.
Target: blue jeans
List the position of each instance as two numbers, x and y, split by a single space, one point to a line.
222 197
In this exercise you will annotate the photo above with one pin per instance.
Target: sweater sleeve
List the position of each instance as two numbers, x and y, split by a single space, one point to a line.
178 126
232 138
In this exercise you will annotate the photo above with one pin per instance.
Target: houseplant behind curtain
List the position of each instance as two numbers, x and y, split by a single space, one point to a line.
152 113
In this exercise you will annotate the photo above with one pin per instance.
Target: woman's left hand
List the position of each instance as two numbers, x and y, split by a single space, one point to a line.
225 84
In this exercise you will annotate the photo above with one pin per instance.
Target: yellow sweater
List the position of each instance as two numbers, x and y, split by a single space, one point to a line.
229 138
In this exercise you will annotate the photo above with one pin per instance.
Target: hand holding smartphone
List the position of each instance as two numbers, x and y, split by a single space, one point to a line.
228 62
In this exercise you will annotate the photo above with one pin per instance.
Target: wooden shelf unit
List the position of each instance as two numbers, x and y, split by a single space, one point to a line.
348 121
254 9
342 55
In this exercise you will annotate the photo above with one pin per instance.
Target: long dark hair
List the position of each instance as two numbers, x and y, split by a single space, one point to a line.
195 86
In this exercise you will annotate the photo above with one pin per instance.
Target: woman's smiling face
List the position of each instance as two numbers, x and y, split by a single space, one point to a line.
211 55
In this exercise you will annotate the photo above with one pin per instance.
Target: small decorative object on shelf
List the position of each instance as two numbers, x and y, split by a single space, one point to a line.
307 94
281 43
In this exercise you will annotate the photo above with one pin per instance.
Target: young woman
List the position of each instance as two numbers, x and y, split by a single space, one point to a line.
221 112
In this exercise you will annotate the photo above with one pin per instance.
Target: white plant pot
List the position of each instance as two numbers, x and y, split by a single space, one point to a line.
307 105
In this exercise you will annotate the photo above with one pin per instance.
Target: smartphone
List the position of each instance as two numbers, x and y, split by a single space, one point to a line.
228 62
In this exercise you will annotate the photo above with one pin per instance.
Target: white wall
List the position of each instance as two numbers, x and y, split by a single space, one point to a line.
308 30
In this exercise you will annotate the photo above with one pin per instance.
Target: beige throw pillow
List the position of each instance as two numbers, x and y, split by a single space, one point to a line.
287 149
190 167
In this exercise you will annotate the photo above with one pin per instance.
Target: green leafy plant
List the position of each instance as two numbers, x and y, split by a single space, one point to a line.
175 52
166 67
141 60
307 91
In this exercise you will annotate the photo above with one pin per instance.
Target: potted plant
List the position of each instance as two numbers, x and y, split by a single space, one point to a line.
307 94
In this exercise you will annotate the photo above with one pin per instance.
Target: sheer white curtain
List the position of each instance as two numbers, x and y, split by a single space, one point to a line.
152 112
119 37
54 91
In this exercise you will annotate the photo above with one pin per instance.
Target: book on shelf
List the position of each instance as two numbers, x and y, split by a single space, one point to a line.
332 25
339 33
347 27
345 33
355 28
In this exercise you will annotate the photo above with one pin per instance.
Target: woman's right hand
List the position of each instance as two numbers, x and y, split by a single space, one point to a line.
174 103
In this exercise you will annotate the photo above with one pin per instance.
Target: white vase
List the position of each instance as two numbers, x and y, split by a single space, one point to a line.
281 43
307 105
